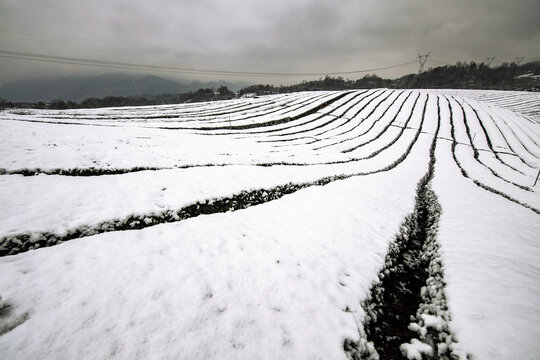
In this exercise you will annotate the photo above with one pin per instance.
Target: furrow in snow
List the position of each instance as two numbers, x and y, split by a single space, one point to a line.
409 287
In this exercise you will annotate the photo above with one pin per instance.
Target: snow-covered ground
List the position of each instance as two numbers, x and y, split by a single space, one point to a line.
283 279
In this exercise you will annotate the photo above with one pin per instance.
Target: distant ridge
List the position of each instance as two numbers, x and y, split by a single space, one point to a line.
78 88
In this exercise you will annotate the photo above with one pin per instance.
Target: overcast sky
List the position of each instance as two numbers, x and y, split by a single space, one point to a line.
319 36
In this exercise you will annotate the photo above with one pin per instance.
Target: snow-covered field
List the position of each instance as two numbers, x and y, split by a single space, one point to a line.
274 227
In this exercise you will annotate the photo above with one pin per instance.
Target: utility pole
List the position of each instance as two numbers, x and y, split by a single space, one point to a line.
519 59
422 61
489 60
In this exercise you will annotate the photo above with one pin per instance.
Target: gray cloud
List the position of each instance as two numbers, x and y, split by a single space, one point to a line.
265 36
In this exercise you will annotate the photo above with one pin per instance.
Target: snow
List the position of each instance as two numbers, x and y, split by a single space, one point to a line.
416 349
153 191
284 279
522 102
490 252
272 281
490 256
433 321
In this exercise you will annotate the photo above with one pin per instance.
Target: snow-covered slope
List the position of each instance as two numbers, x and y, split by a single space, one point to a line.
265 227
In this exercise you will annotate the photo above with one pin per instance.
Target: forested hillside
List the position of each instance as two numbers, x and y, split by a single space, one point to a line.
462 75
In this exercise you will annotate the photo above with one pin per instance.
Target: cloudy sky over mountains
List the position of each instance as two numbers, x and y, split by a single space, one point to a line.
279 36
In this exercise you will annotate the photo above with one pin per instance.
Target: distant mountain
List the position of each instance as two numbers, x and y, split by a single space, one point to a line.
32 90
125 85
78 88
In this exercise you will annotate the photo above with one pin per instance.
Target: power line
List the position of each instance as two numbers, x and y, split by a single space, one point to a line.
134 66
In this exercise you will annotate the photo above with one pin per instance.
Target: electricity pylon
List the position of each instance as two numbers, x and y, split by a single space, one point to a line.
489 60
519 59
422 61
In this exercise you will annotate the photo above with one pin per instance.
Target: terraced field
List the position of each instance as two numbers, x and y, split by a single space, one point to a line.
347 224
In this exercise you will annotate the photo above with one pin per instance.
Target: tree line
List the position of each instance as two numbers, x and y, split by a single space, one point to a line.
207 94
462 75
476 76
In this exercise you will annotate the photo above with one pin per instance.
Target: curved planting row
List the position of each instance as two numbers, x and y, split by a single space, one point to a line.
326 119
271 147
378 142
495 139
359 120
179 112
228 121
304 111
278 108
315 115
89 171
460 155
329 125
16 243
348 123
376 125
253 112
487 154
321 118
187 113
386 126
416 112
514 152
526 103
353 126
351 129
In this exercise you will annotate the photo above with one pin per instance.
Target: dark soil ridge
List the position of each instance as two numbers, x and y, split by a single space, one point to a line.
18 243
409 291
